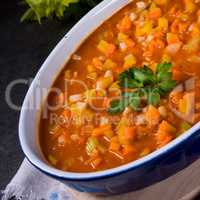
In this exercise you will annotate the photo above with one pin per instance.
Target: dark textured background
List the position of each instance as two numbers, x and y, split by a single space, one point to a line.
23 48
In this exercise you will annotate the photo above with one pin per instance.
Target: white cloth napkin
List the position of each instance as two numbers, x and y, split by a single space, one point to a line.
31 184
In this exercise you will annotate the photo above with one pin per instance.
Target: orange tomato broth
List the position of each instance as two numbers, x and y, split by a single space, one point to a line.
144 32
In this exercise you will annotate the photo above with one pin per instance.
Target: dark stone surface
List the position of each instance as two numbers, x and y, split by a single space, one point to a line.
23 48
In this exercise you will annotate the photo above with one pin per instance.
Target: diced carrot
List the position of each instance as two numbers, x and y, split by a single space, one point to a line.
145 152
114 144
161 2
101 130
96 162
97 63
190 6
177 75
125 24
155 13
163 138
128 149
130 132
166 127
106 48
165 133
152 115
172 38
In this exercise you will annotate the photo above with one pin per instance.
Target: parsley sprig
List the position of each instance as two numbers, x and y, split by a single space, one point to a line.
148 87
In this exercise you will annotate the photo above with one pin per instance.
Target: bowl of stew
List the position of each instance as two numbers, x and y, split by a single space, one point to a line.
116 105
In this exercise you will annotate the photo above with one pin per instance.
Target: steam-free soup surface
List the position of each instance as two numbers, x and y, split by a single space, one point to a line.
131 88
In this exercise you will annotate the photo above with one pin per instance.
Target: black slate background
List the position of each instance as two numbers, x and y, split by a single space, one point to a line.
23 48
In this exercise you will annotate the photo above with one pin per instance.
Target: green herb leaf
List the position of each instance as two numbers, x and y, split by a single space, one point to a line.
148 87
117 106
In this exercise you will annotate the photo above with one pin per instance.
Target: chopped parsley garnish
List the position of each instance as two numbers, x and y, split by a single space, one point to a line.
148 87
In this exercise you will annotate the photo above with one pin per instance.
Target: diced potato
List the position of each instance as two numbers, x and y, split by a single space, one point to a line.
106 47
141 5
163 111
122 37
104 82
109 64
75 98
129 61
145 29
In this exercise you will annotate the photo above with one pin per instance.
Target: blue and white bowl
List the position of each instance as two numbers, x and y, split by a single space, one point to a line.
135 175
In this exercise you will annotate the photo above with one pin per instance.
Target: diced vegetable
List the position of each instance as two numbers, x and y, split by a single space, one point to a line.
52 160
96 162
155 13
106 48
91 145
145 152
129 61
184 127
152 115
128 149
125 24
101 130
104 82
163 111
130 132
166 127
163 23
109 64
172 38
114 144
161 2
183 106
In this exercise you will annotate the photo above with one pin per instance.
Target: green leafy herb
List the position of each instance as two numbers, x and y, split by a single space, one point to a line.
39 9
148 87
